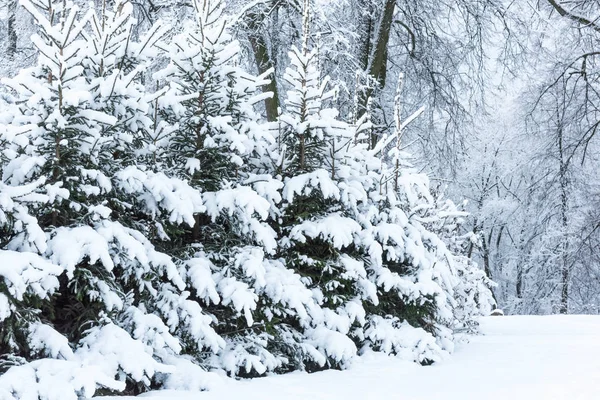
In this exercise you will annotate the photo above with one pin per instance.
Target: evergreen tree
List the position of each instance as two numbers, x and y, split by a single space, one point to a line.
155 229
218 145
316 228
91 287
472 295
415 274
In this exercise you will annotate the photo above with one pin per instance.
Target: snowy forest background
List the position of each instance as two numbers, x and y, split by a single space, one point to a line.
195 186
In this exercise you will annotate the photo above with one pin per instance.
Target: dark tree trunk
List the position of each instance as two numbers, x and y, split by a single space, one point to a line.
563 181
11 49
376 66
256 32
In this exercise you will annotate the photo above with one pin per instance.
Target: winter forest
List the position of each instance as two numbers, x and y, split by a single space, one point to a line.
246 187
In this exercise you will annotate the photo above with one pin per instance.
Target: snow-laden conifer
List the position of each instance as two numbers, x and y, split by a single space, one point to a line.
317 231
90 287
416 275
156 229
472 294
218 145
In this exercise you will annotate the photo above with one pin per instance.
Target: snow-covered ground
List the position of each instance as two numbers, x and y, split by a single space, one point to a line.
517 357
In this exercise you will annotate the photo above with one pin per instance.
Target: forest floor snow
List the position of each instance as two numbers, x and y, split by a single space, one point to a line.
516 357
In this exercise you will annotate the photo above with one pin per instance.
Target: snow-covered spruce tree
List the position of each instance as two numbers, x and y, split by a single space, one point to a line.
350 224
146 199
415 274
218 146
473 296
316 227
83 308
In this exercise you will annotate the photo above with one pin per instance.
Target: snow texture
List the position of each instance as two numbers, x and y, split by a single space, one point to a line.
516 357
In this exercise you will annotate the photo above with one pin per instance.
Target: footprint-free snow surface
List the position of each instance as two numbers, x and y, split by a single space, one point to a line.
521 357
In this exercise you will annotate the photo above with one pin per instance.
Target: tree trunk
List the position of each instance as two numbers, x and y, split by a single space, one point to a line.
256 30
376 67
486 257
378 64
365 48
519 283
563 181
11 49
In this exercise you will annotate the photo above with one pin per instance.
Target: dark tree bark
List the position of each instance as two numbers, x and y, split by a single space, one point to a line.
375 64
378 63
367 33
563 181
11 49
256 31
